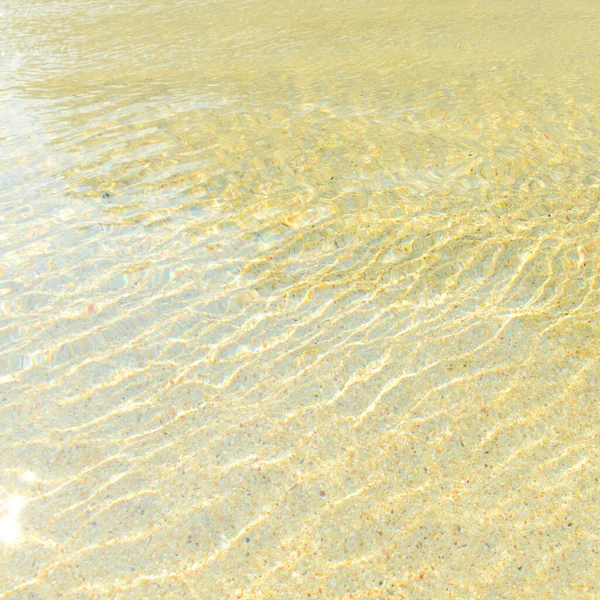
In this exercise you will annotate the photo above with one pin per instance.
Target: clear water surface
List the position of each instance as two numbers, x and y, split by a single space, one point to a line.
299 299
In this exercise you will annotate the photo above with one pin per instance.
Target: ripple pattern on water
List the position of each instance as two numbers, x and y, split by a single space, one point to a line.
299 300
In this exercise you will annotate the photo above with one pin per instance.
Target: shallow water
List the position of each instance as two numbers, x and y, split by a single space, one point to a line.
299 300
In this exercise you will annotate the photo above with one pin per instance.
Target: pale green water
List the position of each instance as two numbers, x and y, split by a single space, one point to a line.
299 300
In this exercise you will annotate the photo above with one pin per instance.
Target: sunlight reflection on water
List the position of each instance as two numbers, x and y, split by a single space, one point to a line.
299 298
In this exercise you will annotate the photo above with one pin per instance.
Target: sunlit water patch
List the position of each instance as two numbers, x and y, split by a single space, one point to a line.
299 300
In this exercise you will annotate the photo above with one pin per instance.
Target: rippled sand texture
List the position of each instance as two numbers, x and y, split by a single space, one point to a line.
299 299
